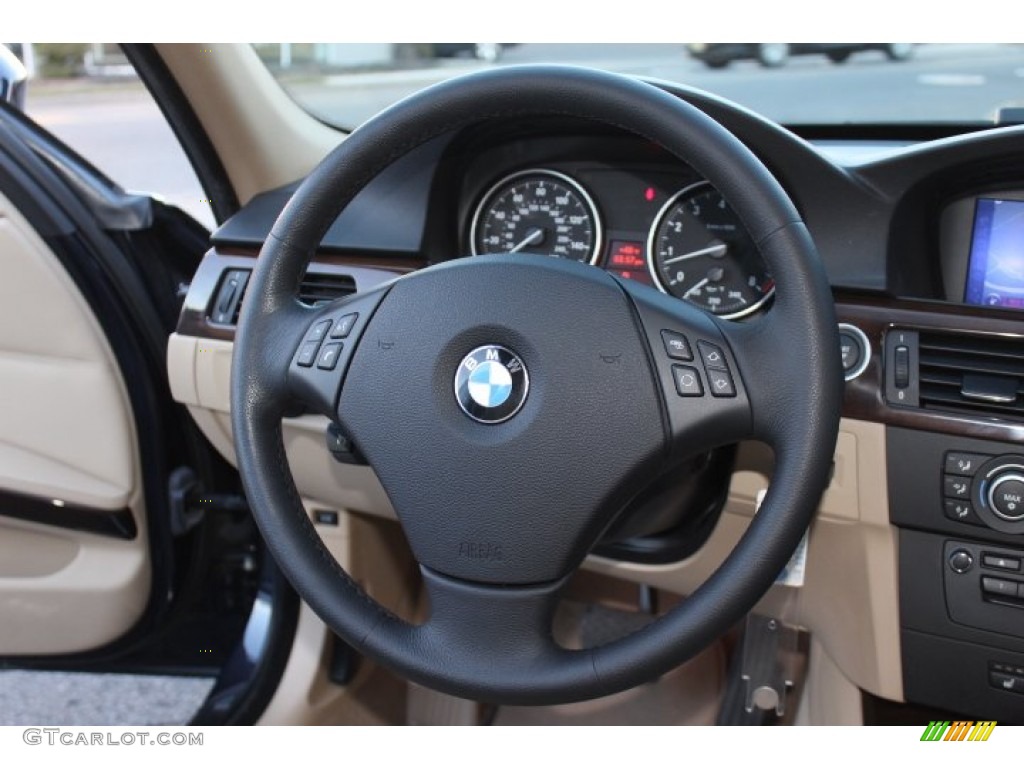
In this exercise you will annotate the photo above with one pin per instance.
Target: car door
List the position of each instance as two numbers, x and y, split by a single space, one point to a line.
124 539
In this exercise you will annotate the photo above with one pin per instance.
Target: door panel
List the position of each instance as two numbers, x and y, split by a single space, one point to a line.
67 442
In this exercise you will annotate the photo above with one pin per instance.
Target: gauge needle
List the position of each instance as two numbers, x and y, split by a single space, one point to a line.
718 249
697 287
535 236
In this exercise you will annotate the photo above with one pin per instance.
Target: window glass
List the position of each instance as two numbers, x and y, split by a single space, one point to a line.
89 97
791 83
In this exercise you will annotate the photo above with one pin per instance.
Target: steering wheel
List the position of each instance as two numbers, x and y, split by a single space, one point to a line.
512 405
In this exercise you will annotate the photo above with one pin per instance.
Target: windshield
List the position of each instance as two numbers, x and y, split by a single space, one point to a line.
791 83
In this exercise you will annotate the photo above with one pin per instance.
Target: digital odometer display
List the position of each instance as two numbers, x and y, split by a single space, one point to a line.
995 272
626 259
537 211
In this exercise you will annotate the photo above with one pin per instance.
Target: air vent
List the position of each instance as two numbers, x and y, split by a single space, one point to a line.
972 374
321 287
316 288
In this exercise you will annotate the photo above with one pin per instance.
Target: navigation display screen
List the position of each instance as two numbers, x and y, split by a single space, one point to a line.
995 272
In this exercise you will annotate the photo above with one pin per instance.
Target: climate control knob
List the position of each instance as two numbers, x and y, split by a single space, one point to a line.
1006 496
997 493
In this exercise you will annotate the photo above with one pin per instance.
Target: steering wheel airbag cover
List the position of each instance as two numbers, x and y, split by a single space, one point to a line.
494 503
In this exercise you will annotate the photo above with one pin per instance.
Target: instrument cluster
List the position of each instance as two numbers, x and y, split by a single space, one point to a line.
668 230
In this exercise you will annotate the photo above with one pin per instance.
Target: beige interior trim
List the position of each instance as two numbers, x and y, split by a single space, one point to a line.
262 137
200 378
829 698
850 601
87 602
371 550
66 434
305 696
62 414
29 554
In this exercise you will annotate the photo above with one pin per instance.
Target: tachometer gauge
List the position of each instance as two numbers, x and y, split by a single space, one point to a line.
537 211
698 250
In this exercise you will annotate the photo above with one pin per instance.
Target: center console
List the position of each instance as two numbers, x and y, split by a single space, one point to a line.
960 506
952 396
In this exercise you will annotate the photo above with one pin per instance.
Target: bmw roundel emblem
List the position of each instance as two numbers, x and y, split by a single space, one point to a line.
491 384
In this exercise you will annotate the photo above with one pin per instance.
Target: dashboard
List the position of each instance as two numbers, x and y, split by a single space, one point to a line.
920 539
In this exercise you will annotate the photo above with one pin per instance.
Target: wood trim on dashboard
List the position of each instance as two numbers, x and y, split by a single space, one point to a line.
194 319
391 263
872 313
875 314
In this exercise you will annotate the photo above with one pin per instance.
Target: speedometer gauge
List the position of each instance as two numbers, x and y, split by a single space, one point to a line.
537 211
698 250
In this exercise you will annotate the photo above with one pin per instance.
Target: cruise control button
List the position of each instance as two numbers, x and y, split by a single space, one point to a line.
712 356
337 442
720 383
342 449
961 512
1000 562
957 463
956 487
329 356
676 346
687 381
344 326
999 587
307 353
319 331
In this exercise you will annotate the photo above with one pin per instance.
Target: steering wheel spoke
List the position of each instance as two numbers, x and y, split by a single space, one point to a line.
482 616
327 340
704 385
768 358
484 632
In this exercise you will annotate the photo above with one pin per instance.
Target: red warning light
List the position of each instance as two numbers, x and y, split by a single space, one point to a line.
649 194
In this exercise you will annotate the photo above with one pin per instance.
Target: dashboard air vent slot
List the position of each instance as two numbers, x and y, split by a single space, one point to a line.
972 374
324 287
316 288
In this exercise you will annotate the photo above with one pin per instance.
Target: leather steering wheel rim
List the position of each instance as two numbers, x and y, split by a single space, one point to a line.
489 636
